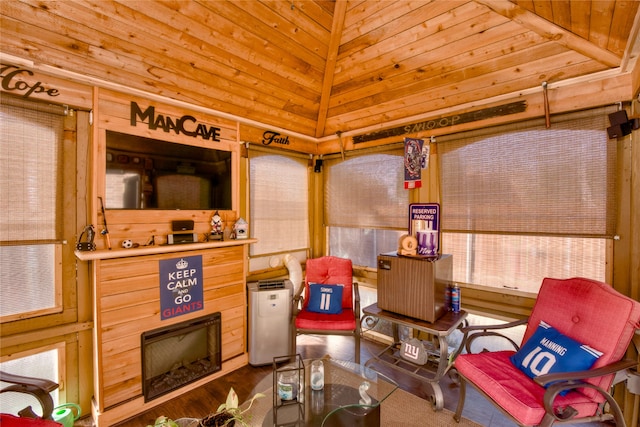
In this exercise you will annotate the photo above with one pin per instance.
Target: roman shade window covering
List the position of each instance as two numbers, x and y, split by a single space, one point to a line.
524 178
279 198
31 141
30 154
366 191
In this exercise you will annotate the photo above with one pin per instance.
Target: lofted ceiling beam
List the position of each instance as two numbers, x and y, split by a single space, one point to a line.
330 67
551 31
632 52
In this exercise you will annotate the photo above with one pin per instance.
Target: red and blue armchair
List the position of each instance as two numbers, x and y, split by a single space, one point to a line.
318 311
539 383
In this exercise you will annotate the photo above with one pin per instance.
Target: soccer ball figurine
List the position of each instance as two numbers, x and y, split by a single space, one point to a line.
127 244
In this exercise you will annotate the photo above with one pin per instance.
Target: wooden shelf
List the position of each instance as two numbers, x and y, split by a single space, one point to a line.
157 249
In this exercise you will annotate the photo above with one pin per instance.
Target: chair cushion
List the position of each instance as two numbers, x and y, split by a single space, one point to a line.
344 321
328 270
325 298
8 420
603 319
548 351
514 391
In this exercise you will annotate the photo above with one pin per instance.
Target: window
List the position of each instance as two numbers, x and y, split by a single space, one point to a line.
279 201
43 364
37 290
366 206
31 137
522 202
520 262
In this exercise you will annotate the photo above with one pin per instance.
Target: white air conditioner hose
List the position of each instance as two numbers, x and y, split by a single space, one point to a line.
295 271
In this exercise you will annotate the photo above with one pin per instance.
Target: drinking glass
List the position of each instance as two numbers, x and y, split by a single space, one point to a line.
317 375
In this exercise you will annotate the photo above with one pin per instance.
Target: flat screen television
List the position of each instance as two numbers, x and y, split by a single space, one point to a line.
145 173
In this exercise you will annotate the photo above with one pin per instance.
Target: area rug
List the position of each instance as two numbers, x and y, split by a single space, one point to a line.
408 410
401 409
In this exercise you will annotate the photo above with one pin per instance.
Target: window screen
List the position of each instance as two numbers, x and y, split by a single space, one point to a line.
39 365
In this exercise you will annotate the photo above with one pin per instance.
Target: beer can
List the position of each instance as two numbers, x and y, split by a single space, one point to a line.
455 298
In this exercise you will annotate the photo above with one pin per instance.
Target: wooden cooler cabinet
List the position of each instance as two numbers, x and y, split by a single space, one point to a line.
414 287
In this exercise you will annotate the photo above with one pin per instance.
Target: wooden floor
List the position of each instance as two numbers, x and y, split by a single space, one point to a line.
205 399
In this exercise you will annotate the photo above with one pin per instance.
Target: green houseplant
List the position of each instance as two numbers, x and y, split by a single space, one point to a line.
163 421
229 412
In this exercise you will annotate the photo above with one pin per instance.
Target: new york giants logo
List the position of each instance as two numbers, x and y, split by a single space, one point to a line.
411 351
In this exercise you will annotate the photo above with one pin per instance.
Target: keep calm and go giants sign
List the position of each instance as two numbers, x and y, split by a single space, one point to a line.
180 286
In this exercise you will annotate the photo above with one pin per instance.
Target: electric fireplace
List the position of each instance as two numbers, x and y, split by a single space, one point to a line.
179 354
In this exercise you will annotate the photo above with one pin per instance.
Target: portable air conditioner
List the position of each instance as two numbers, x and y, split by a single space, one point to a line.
269 320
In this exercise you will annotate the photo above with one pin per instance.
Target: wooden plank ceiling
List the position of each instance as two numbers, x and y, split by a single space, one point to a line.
318 67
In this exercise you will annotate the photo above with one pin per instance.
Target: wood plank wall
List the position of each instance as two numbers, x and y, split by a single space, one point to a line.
113 113
126 288
128 304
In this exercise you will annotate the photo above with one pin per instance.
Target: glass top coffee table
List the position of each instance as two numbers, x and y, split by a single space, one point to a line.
351 396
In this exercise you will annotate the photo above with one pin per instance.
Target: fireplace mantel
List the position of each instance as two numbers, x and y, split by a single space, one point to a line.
126 289
157 249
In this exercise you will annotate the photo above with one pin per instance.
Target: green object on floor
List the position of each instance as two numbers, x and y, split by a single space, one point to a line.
163 421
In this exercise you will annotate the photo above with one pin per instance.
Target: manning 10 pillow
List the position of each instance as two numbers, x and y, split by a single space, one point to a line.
548 351
326 299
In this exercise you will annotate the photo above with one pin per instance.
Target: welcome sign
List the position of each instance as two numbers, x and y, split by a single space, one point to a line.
180 286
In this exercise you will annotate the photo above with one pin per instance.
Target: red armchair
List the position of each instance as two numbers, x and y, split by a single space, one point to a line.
582 311
307 319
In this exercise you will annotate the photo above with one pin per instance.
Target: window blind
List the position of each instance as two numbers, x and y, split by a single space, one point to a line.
30 144
524 178
366 191
279 197
31 136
